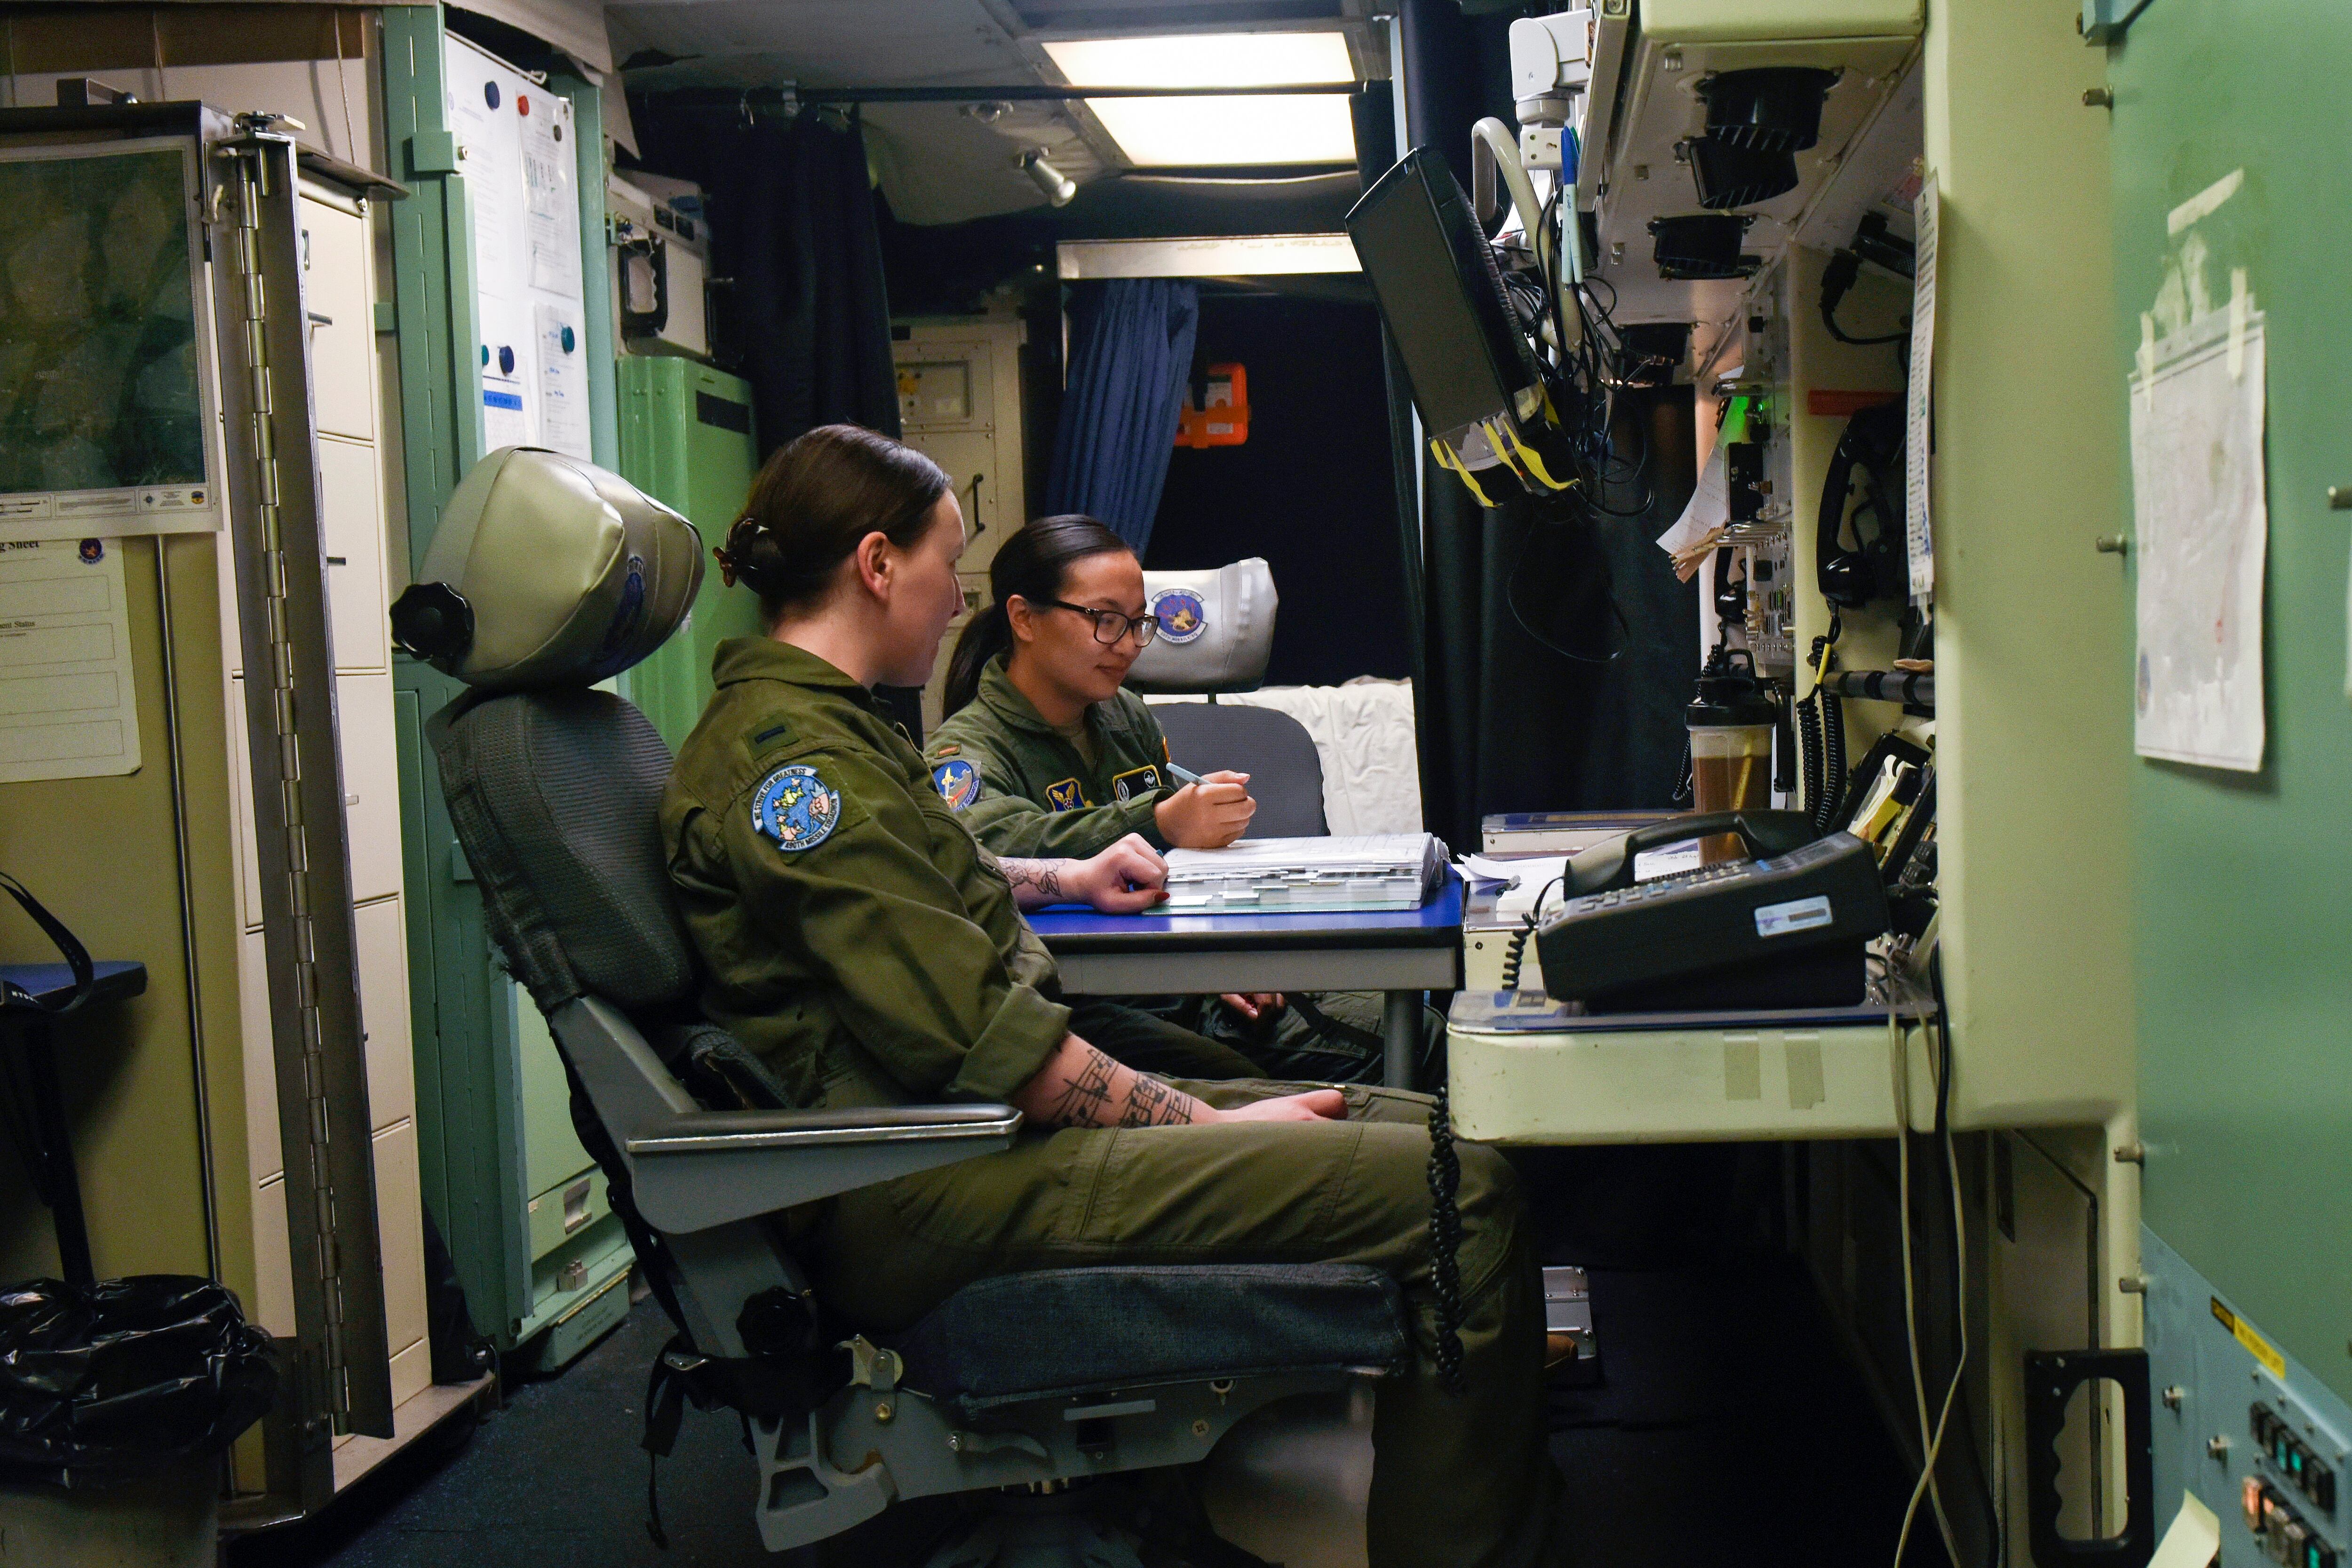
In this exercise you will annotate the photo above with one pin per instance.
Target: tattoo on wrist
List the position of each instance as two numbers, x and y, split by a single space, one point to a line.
1086 1101
1151 1104
1045 876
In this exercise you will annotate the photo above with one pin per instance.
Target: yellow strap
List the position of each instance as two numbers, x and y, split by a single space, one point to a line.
1502 449
1447 461
1534 463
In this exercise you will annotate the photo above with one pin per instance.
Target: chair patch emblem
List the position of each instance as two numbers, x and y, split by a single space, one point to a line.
958 783
1183 616
1135 782
1063 796
796 808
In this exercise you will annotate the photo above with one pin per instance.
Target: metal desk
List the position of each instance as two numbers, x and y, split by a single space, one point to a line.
47 1144
1400 952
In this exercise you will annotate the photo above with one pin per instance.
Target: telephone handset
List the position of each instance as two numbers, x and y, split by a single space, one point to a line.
1610 864
1874 567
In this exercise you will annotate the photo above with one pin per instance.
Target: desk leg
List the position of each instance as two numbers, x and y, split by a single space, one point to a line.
62 1181
1401 1030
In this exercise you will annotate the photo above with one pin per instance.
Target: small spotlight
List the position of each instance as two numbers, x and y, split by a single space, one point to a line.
1046 177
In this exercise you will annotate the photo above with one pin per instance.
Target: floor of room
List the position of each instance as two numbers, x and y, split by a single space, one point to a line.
1727 1427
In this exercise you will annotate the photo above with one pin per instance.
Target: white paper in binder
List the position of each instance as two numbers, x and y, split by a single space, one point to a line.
1307 876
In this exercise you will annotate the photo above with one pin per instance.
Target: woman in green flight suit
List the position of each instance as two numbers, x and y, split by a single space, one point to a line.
1044 752
872 951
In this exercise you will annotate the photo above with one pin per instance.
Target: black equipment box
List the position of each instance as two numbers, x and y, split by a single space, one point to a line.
1784 932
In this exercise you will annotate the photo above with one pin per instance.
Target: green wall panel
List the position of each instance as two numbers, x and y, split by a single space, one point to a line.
2243 967
687 438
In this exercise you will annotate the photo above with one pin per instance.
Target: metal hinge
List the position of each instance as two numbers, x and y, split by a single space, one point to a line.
272 689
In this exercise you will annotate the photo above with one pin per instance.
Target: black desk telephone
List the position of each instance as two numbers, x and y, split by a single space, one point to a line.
1784 929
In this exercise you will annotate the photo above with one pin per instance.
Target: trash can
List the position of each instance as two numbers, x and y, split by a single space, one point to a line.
116 1401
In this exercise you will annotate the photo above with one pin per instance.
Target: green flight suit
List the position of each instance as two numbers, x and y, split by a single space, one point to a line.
1024 790
867 946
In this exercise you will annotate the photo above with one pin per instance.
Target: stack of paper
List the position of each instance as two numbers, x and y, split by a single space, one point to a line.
1307 876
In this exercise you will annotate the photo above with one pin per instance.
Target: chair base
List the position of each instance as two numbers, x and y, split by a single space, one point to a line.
1102 1525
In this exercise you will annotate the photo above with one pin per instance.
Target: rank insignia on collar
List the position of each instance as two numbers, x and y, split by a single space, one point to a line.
1135 782
958 783
950 749
1063 796
796 808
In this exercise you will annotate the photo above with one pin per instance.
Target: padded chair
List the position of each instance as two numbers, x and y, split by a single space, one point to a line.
545 576
1216 634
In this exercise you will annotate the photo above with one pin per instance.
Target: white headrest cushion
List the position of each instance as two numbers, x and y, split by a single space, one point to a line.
1216 629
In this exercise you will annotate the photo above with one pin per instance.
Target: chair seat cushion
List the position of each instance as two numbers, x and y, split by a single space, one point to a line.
1018 1337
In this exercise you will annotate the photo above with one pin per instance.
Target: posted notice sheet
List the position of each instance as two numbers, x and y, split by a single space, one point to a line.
68 706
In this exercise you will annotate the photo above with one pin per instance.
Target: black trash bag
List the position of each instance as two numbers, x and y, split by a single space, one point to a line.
124 1377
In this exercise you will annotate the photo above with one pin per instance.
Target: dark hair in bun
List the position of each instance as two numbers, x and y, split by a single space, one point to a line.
814 499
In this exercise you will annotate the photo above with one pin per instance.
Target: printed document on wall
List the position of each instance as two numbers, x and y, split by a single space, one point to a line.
68 709
2200 531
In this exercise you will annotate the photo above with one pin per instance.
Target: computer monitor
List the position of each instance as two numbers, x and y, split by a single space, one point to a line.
1442 297
103 348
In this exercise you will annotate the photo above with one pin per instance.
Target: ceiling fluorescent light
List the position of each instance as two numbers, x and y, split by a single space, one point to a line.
1214 133
1205 60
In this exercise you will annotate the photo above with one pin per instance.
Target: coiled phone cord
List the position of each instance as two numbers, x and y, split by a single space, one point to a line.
1445 1243
1516 950
1821 731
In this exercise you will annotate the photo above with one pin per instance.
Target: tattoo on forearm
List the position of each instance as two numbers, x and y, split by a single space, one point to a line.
1045 876
1151 1104
1086 1101
1086 1097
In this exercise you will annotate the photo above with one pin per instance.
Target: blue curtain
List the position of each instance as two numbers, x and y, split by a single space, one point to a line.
1130 375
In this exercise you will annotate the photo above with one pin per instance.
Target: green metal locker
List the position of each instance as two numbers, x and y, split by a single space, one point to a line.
685 437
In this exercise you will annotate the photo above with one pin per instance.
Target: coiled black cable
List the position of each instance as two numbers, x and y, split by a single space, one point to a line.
1445 1243
1516 951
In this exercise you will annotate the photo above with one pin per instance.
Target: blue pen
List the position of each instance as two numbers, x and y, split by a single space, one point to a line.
1184 775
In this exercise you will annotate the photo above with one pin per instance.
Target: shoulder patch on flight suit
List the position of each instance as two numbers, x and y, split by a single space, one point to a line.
1063 796
958 783
795 807
1135 782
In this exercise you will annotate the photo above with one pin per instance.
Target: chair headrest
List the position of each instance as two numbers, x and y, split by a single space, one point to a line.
548 572
1216 629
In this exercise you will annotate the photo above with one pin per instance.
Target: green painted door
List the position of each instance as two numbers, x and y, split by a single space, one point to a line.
686 439
2243 953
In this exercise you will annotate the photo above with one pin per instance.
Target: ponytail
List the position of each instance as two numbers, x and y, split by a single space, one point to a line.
986 635
1031 565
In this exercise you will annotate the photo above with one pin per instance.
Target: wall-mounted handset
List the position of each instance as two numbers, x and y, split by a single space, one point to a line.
1873 566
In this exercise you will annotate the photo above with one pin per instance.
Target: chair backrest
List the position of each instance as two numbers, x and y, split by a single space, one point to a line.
1216 629
1275 748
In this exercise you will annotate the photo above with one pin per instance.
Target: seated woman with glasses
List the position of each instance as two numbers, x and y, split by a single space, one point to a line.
1045 753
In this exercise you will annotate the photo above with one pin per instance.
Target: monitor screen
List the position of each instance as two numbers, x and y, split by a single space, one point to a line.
101 369
1441 296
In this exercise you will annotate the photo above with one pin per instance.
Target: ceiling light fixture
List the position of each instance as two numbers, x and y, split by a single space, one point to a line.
1216 131
1057 186
1205 60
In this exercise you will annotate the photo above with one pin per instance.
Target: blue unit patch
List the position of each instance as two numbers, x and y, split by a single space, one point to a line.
958 783
796 808
1063 796
1182 616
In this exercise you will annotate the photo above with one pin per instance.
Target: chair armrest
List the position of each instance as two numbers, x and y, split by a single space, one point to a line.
703 1131
694 1169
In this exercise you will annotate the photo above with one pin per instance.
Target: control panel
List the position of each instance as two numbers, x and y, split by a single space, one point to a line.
2243 1424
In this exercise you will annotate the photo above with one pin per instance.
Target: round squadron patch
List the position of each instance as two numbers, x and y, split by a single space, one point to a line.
796 808
1181 615
958 783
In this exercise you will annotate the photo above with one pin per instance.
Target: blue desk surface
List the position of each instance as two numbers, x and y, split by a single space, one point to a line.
54 981
1073 928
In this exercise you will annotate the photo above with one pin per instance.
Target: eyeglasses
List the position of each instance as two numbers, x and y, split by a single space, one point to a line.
1109 625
